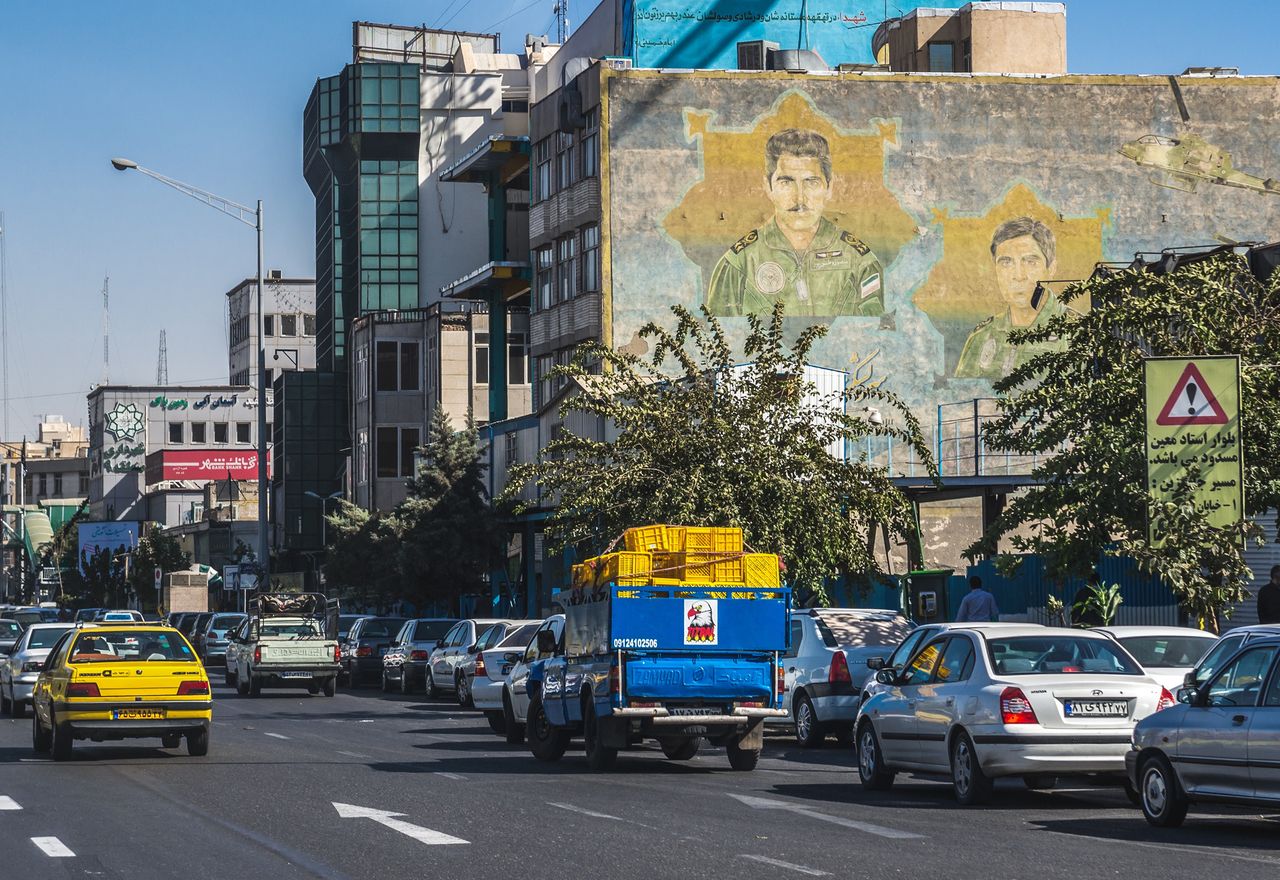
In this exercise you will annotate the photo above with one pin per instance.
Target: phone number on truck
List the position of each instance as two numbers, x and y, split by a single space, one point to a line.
635 643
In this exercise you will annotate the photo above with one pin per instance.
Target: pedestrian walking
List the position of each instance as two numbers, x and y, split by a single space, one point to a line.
1269 598
979 606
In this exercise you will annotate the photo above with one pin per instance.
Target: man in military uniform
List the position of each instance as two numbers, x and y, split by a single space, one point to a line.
1024 253
799 257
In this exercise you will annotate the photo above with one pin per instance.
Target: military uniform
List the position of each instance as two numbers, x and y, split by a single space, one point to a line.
837 275
987 353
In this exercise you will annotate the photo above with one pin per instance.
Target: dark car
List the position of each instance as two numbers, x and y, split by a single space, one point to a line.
346 621
369 639
417 639
186 622
212 640
198 626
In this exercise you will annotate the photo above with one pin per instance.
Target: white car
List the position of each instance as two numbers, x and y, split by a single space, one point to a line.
1031 701
1166 653
444 673
515 695
826 662
488 669
19 671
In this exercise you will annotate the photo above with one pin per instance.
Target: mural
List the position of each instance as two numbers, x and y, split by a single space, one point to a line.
922 220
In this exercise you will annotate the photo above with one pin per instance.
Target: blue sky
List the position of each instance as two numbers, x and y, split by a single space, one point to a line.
212 93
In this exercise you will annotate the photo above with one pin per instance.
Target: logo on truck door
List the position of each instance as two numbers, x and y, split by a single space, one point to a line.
700 621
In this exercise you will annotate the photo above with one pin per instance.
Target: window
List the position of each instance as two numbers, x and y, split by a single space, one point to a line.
269 325
288 325
243 432
567 273
545 261
308 325
1059 655
920 669
564 160
394 452
797 636
1166 651
176 432
57 485
362 372
397 366
542 188
512 449
1240 680
1272 699
409 366
44 485
957 660
1215 658
544 364
198 432
590 144
590 259
908 647
966 56
410 440
480 351
942 57
362 457
512 105
219 432
517 359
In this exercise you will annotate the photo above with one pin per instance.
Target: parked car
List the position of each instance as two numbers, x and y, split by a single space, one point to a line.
978 704
212 642
444 674
1166 653
85 615
1226 647
406 668
515 693
914 640
826 662
473 671
196 637
10 632
367 641
345 622
19 671
1220 744
185 622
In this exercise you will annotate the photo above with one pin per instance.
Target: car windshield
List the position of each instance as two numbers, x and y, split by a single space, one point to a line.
520 636
862 629
44 638
133 646
9 629
1166 652
430 630
381 627
1059 655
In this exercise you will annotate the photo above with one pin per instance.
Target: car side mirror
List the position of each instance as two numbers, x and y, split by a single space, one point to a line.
439 643
875 663
546 642
887 676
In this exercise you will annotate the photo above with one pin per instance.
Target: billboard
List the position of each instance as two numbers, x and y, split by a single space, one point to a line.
915 214
115 537
203 464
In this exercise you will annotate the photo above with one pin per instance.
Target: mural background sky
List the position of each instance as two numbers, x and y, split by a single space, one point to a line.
213 93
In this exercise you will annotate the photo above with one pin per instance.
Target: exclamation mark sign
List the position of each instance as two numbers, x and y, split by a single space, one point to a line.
1192 391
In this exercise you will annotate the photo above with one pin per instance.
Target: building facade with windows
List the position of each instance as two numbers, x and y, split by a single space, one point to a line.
289 327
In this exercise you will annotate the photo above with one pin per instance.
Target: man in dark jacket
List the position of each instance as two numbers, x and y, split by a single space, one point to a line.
1269 598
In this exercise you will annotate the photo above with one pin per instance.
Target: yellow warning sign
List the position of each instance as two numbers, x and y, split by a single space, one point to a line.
1193 424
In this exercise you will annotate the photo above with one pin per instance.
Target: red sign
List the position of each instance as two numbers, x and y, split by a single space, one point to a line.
1192 402
203 464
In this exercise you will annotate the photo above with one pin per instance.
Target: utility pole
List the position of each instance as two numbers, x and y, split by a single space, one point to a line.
162 361
106 330
4 329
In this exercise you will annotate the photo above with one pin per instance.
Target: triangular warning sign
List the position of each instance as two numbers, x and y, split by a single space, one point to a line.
1192 402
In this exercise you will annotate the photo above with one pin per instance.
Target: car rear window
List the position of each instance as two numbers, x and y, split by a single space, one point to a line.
132 646
430 630
520 637
1059 655
9 628
44 638
874 630
303 629
1157 652
381 627
226 621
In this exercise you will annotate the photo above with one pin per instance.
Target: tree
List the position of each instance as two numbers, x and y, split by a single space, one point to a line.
694 438
450 533
1080 407
361 558
155 550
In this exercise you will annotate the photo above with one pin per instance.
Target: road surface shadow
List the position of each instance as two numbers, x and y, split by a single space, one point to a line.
1243 831
1010 795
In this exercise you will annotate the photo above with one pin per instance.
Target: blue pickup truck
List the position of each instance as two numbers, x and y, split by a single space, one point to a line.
677 664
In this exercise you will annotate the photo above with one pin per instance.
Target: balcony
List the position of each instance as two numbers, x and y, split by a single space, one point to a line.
502 158
508 279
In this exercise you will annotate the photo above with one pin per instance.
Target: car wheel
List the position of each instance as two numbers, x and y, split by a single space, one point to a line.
1039 781
4 702
464 691
386 685
599 757
331 686
429 688
171 740
255 687
242 687
41 740
545 742
228 677
198 743
406 687
682 749
513 729
740 758
61 741
872 772
496 722
313 688
809 732
1163 801
17 708
972 785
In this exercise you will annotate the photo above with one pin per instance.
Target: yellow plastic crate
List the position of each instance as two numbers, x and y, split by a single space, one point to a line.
584 576
762 570
710 540
646 539
713 568
625 569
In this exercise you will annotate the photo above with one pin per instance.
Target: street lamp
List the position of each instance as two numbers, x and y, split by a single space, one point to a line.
249 217
324 512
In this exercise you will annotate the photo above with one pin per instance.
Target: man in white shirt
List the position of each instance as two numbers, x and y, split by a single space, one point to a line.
979 606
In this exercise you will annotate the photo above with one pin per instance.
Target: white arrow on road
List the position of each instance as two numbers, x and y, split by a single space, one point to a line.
759 803
387 818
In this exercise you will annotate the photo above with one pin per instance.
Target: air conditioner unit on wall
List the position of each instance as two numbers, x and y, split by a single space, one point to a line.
756 55
616 63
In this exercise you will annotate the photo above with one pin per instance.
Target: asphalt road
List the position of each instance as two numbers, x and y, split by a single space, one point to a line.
262 805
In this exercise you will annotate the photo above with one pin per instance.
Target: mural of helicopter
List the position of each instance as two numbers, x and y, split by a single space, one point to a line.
1183 162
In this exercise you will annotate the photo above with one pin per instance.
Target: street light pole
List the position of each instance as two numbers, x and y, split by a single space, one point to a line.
249 217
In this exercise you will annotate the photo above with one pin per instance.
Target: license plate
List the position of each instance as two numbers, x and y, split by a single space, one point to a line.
138 714
693 711
295 675
1096 708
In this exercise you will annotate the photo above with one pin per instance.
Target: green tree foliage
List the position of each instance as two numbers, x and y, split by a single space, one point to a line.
155 550
1081 409
690 437
361 559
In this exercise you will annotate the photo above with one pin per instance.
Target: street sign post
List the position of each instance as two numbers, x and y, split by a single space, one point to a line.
1193 421
159 578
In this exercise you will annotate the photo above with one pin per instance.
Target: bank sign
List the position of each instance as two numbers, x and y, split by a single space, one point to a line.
704 34
202 464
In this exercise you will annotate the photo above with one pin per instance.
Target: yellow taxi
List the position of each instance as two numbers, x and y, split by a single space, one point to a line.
121 681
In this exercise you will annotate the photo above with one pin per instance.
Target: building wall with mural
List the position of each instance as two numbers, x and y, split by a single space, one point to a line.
915 214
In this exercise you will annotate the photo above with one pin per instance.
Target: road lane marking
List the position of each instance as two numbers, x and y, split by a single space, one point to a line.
275 735
8 803
759 803
53 847
387 818
450 775
572 809
778 863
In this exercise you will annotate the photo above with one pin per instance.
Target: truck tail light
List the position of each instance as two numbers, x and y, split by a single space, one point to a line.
480 667
1015 708
419 655
191 688
782 681
83 689
839 671
1166 700
337 652
257 654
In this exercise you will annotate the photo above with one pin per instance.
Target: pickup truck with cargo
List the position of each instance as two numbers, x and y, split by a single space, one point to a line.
671 644
289 640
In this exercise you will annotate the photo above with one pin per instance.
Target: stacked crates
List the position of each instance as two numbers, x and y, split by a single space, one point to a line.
661 555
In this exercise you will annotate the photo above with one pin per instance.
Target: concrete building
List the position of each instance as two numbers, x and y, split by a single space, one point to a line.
984 37
289 325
